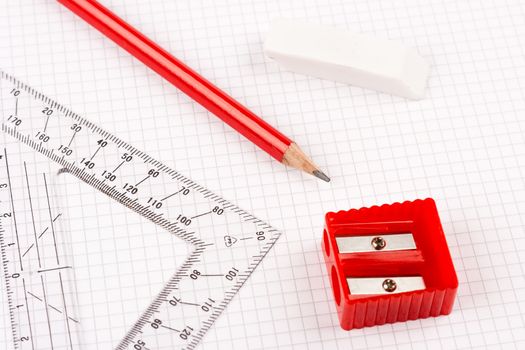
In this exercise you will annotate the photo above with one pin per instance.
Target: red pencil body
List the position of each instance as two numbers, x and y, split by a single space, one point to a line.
182 76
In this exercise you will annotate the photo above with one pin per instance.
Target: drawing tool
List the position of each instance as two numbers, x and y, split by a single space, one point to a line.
227 243
194 85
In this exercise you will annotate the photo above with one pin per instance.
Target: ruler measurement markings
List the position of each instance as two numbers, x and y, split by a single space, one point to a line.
5 263
199 215
47 121
94 154
13 210
191 333
118 166
172 329
141 181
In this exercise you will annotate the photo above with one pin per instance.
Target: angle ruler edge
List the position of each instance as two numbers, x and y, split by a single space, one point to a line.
212 225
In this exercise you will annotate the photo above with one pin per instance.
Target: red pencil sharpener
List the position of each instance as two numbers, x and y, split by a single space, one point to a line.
389 264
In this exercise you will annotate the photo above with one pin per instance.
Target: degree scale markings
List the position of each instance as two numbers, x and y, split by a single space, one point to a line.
204 284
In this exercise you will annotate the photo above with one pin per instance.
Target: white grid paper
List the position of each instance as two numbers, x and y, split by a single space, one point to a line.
463 145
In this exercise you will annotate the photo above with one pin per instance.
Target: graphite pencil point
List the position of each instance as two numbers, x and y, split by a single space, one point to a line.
321 175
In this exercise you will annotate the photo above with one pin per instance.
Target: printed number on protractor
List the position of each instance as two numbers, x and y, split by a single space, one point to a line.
227 242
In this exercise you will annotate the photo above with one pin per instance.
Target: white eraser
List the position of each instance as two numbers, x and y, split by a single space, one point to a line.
356 59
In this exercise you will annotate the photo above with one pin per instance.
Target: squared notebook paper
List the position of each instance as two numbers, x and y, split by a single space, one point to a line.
462 145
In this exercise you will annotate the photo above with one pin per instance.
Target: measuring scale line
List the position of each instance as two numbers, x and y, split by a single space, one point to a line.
51 219
13 210
28 317
111 192
211 274
66 314
46 307
51 306
9 292
36 319
158 301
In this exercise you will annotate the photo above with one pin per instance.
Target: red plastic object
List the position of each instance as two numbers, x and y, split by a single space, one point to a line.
430 259
183 77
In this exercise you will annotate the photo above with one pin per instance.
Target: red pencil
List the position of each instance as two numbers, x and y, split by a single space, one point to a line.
194 85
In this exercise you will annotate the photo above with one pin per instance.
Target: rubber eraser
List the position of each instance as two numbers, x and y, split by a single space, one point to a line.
342 56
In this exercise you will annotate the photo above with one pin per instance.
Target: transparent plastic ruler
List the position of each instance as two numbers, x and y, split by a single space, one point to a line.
39 280
228 243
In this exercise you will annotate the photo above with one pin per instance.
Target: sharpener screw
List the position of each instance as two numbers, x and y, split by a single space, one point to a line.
389 285
378 243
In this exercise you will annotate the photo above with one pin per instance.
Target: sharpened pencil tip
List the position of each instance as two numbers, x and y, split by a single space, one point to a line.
296 158
321 175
